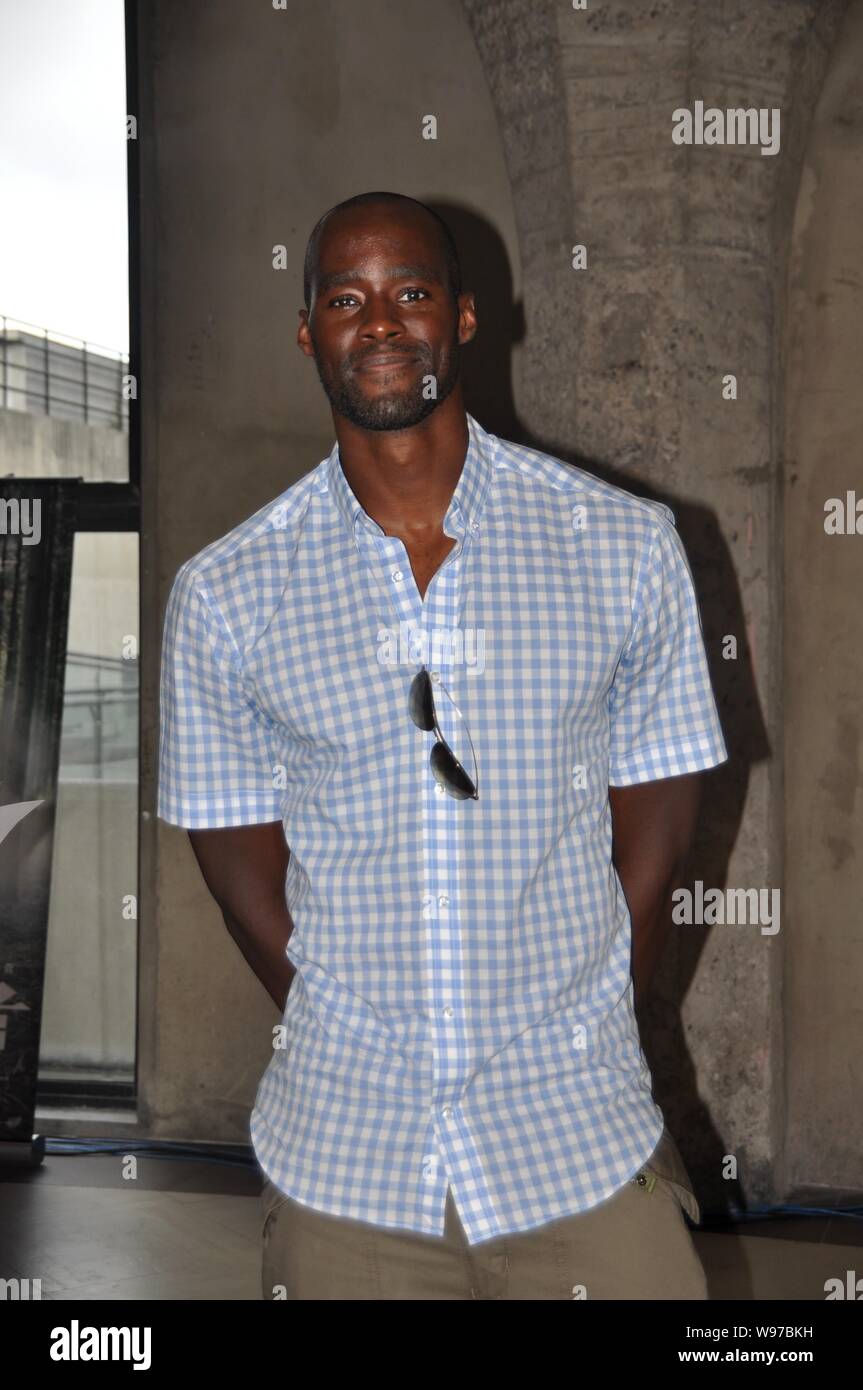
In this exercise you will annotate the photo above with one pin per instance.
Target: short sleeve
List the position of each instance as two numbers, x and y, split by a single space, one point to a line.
663 715
215 762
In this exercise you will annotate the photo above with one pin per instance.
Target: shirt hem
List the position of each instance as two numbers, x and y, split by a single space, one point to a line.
568 1213
216 820
562 1215
675 765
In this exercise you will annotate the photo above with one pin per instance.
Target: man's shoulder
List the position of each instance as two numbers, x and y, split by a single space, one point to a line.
581 487
246 549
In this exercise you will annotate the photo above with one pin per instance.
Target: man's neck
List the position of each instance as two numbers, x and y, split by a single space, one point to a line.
405 479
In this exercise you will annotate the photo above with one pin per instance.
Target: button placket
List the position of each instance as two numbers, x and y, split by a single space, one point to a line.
437 833
449 1139
443 941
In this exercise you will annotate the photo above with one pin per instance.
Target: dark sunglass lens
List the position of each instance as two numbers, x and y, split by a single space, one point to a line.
450 774
421 705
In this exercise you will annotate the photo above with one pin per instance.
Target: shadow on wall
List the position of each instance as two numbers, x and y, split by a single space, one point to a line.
487 376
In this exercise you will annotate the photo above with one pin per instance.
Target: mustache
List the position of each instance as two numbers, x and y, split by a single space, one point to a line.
369 356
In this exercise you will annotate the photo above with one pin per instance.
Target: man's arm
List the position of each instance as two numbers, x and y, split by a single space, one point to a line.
653 828
244 868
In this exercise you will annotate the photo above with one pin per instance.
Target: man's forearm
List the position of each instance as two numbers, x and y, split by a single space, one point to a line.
648 897
244 868
653 824
262 939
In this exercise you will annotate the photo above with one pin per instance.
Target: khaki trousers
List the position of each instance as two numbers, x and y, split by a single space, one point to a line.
634 1245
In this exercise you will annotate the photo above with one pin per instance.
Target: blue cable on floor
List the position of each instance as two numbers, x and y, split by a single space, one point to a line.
236 1156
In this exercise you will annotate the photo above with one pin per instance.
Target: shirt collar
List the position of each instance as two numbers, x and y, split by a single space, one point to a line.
467 501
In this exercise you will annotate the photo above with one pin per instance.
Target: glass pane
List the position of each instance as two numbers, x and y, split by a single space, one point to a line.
88 1024
64 250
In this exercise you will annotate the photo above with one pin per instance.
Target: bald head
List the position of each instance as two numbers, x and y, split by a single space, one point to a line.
392 206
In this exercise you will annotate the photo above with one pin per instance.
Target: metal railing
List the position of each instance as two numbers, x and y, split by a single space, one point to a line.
46 373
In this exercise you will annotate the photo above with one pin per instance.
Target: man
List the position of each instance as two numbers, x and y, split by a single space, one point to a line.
466 684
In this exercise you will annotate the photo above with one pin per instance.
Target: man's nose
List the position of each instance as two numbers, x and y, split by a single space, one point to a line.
381 319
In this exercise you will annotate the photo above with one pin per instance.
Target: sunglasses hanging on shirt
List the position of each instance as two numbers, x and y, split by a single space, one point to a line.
447 769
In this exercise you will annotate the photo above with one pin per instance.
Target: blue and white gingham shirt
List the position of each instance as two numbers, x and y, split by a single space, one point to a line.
462 1011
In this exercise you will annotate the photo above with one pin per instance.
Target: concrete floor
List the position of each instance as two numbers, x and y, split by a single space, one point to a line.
191 1230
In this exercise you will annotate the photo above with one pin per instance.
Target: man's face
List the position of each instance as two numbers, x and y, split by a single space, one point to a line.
384 328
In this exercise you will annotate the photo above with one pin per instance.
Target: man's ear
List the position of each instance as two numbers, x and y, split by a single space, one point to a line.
304 337
467 307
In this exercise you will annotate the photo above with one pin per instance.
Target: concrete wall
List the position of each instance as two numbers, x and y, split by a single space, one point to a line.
40 446
555 129
823 652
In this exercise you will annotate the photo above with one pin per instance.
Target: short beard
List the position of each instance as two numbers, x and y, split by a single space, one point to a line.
394 410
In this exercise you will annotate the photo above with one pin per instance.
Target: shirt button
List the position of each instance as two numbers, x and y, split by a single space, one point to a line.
439 791
443 900
447 1112
448 1011
397 576
474 526
435 675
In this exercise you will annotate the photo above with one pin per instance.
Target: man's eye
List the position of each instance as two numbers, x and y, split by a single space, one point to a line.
342 298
